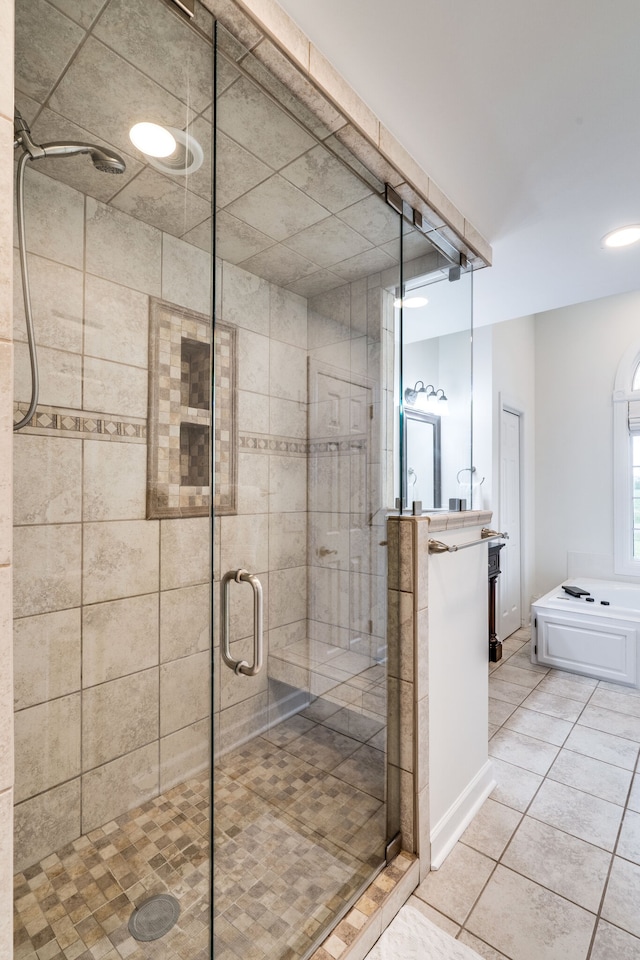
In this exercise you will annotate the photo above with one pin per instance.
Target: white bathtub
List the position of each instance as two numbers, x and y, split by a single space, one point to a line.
596 636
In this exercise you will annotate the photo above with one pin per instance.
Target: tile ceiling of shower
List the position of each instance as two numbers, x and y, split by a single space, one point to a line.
288 209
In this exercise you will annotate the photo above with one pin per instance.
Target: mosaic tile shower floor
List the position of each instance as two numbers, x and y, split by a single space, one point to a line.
76 903
311 830
299 824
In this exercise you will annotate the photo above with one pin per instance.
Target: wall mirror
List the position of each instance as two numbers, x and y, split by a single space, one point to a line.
422 463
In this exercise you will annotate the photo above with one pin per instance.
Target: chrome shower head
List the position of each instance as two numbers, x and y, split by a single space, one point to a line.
106 161
103 159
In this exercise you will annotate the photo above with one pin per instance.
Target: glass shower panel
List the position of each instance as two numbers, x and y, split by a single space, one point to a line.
434 381
112 486
307 265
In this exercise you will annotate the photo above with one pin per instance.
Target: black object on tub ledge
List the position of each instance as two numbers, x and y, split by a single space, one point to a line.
575 591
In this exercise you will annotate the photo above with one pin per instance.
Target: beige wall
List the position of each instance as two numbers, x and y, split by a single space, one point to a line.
268 534
112 609
6 405
307 495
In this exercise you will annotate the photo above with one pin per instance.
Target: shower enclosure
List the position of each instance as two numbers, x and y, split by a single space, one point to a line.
201 494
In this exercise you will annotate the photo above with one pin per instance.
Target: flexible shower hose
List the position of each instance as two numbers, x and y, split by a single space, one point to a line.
26 293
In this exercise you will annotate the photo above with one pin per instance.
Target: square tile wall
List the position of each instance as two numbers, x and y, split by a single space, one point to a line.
268 534
102 588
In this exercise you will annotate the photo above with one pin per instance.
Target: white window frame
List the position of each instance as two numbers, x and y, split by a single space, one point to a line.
625 400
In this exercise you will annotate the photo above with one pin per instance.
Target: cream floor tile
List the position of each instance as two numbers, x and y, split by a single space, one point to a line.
583 816
623 895
512 645
539 725
516 787
523 751
614 944
504 690
500 710
553 705
482 948
603 746
569 685
620 702
542 925
629 842
522 659
592 776
434 915
634 796
570 867
513 674
610 721
454 888
491 828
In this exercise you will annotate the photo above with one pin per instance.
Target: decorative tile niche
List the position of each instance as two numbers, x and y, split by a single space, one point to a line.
179 458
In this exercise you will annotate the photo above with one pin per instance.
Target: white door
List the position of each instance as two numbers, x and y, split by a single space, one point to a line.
509 590
342 585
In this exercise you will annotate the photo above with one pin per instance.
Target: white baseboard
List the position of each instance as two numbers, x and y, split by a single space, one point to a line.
454 822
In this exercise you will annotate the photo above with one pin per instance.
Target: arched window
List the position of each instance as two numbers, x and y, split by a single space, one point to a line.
626 464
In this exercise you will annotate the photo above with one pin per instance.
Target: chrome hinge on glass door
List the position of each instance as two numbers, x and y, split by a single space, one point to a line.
241 666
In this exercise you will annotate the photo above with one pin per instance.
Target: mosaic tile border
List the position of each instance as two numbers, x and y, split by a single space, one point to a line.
179 413
317 447
265 443
81 424
373 911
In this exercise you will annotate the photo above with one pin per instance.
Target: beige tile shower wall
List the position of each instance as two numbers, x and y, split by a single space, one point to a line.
408 637
6 408
347 535
268 536
112 610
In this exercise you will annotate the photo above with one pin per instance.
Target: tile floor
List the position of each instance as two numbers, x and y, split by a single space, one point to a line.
550 867
76 903
300 824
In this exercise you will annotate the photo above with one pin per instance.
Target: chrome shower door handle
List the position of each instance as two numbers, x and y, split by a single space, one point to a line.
241 666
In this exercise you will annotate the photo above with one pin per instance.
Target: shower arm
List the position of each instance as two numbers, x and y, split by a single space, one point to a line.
26 293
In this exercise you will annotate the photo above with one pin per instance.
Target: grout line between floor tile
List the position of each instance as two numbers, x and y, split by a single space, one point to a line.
597 915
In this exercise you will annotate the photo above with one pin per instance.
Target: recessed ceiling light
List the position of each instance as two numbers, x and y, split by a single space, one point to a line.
410 302
152 139
623 236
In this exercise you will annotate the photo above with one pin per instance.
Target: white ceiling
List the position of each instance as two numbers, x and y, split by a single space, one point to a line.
525 114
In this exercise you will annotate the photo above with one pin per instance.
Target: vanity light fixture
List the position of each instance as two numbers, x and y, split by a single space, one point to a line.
152 139
427 398
622 237
410 303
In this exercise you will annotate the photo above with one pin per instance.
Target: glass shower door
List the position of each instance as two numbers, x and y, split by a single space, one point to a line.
434 333
112 541
307 265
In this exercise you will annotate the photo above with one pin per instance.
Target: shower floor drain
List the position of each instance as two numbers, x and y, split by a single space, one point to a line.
153 918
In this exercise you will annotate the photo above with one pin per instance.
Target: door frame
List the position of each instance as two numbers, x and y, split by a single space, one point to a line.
513 405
